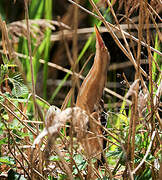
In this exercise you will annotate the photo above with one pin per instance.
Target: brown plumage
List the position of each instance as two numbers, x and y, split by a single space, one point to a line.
89 97
92 87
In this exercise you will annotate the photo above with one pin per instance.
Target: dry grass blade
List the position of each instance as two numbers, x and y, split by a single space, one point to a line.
30 55
118 138
22 113
116 28
70 72
147 152
6 42
8 49
22 122
142 103
123 35
17 146
158 95
156 101
107 25
56 119
132 89
83 33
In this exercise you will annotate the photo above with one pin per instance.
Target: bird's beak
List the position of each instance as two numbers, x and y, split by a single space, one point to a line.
99 40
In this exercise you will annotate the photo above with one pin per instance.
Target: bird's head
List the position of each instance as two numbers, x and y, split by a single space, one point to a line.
102 53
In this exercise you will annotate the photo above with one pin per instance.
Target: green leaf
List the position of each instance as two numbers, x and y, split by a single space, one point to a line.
80 162
4 140
54 158
19 89
7 160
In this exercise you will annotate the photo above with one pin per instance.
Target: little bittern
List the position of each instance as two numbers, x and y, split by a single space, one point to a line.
89 98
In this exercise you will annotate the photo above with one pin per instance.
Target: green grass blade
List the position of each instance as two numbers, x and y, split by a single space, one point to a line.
48 15
86 46
156 58
36 9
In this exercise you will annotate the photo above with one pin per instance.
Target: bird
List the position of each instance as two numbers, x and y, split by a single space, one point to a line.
89 98
92 87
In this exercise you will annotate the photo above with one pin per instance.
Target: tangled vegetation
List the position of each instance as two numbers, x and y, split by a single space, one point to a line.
47 48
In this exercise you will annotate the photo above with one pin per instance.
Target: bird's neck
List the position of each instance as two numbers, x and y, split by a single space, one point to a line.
100 64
